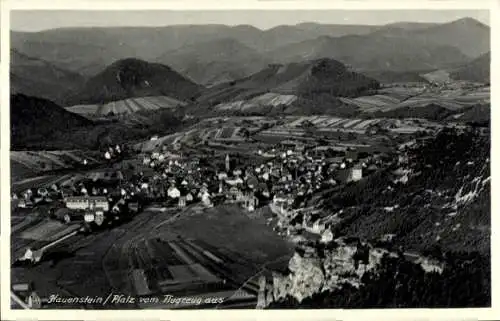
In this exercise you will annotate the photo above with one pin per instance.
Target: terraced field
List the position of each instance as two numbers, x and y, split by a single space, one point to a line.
265 100
437 76
394 98
293 128
221 134
127 106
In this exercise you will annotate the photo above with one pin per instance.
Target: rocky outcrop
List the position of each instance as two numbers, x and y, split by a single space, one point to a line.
340 264
310 274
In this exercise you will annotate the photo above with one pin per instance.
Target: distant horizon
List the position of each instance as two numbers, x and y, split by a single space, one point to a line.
38 21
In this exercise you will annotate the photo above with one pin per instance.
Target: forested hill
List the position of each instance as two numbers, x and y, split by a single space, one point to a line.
437 193
435 201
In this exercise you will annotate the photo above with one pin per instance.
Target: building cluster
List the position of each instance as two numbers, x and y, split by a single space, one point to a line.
285 176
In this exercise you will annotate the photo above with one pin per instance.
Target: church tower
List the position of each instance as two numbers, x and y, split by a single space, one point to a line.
228 167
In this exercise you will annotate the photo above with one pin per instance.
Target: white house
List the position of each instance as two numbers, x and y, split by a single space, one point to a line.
355 174
82 203
205 199
173 192
327 236
235 181
222 175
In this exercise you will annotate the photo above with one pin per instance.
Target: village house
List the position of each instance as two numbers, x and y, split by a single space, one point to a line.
205 199
173 192
250 202
351 174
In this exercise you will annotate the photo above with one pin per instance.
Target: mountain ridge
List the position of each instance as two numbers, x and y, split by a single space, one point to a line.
36 77
89 50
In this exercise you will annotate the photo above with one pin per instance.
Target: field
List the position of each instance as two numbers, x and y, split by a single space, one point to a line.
194 252
398 97
29 163
265 100
221 134
228 131
43 181
126 106
48 230
437 76
326 124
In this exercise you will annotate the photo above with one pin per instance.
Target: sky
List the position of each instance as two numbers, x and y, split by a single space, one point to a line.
42 20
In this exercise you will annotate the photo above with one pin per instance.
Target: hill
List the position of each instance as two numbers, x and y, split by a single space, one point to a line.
431 111
37 119
436 195
39 124
477 70
373 52
308 80
130 78
35 77
89 50
480 114
390 77
468 35
214 61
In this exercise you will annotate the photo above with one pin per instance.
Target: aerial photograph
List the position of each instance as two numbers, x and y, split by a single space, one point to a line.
250 159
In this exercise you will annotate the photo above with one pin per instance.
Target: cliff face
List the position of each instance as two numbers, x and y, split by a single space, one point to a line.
310 274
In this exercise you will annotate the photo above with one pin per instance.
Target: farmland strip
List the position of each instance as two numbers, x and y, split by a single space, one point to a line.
182 273
151 101
140 282
181 253
207 253
128 105
146 104
135 105
100 110
151 276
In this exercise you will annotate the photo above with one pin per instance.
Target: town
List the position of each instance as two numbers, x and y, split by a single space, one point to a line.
281 178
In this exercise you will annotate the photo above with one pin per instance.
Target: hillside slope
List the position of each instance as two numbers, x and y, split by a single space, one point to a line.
436 195
477 70
372 52
39 124
310 79
129 78
35 77
215 61
468 35
37 119
89 50
390 77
